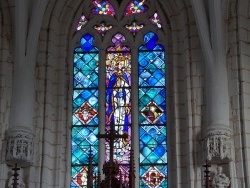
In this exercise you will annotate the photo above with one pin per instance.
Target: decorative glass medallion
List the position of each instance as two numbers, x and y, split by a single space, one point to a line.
153 177
155 19
79 179
85 113
83 21
134 28
103 28
135 7
152 112
103 8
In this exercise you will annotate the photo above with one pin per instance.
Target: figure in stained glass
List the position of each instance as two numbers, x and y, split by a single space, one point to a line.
119 95
118 98
118 102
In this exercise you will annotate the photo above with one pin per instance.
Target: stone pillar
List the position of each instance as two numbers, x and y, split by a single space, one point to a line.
217 135
19 148
102 110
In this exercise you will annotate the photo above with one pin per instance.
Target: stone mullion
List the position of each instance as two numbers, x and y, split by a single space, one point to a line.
135 127
102 108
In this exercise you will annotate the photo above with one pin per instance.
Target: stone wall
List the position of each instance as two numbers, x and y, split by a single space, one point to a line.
6 73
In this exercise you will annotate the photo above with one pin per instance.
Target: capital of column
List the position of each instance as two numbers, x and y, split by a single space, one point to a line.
217 144
20 146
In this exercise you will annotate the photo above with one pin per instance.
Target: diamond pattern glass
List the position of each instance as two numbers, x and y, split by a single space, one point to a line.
85 111
152 113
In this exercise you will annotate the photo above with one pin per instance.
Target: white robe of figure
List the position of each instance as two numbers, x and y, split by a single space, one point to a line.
120 112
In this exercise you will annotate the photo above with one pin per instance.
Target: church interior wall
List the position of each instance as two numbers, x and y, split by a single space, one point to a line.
6 73
238 71
188 76
185 96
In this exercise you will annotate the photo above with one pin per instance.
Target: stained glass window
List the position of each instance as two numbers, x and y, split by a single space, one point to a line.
82 21
103 8
155 19
118 99
85 110
134 28
102 28
135 7
121 109
152 113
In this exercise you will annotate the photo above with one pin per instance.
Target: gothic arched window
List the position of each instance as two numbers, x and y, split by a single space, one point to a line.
119 80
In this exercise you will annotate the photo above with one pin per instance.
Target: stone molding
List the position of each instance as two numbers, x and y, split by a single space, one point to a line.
217 144
19 146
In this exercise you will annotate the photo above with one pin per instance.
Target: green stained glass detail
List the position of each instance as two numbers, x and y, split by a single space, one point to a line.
82 21
155 19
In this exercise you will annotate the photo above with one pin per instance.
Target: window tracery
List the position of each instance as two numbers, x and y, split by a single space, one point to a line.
119 108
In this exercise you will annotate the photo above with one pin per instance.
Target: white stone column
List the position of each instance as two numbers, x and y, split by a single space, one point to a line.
135 127
102 110
217 135
19 147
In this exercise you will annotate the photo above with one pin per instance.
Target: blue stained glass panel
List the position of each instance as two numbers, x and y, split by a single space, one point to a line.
84 138
85 111
152 113
153 145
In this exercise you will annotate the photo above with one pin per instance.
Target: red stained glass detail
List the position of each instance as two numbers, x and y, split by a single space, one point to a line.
81 178
135 7
85 113
152 112
153 177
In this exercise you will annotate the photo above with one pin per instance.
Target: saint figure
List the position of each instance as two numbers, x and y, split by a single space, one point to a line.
220 180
